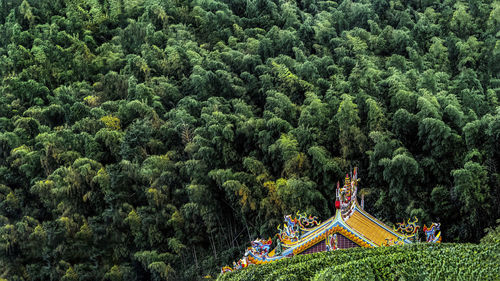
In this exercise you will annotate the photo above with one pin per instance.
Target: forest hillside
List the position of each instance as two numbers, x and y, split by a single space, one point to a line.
152 139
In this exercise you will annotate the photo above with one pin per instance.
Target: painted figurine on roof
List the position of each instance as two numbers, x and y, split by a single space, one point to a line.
433 233
351 227
260 247
290 231
331 242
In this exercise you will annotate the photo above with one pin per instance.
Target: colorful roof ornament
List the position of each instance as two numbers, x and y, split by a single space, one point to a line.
433 233
351 227
409 229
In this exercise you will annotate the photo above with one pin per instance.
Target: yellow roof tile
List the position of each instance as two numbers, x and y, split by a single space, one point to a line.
369 229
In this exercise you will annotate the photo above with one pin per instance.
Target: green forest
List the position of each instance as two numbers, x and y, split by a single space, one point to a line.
153 139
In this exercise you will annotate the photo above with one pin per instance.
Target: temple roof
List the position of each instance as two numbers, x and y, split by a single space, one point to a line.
360 227
350 220
373 229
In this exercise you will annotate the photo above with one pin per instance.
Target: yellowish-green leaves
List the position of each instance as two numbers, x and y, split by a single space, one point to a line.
111 122
134 221
91 101
70 275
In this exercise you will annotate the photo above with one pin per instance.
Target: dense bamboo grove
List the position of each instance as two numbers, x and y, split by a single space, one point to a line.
152 139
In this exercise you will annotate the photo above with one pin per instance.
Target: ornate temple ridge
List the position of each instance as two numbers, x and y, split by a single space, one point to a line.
351 227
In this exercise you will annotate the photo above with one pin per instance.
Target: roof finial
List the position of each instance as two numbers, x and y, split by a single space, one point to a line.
337 197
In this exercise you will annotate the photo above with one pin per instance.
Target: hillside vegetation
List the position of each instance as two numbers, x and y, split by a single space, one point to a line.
411 262
152 139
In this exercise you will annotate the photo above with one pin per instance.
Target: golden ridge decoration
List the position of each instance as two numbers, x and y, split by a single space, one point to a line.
409 229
